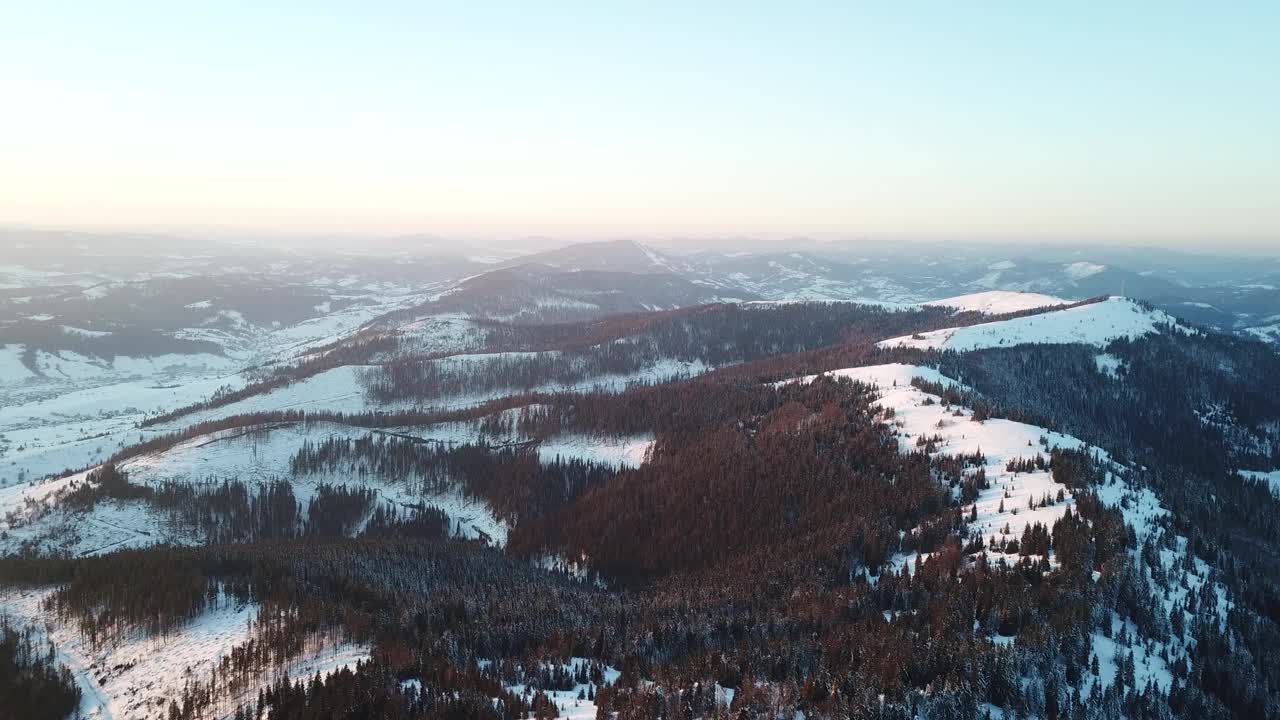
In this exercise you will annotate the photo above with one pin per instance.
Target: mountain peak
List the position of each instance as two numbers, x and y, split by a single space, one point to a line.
622 255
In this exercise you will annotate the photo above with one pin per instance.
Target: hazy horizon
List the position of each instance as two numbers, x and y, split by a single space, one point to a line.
519 245
1121 126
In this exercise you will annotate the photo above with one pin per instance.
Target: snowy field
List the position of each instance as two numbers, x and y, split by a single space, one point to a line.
445 332
1093 324
70 426
997 302
72 410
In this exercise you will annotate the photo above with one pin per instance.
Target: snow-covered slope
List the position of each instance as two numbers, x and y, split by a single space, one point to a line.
997 302
919 416
12 371
1015 500
1093 324
256 455
136 677
74 426
33 515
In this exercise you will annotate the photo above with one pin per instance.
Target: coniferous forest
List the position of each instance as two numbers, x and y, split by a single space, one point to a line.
783 549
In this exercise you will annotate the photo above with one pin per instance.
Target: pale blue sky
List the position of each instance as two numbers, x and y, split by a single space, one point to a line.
1126 121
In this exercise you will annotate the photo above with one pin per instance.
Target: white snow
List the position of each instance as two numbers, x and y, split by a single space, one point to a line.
31 515
1082 270
11 368
623 452
83 332
446 332
1266 333
990 280
809 296
654 258
1272 478
1108 364
998 302
48 427
887 377
567 702
918 414
1094 324
261 454
1147 666
336 390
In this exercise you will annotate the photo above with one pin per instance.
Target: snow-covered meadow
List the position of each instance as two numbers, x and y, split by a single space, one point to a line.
1093 324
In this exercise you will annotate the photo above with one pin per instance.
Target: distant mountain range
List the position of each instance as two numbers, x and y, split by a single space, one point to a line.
42 269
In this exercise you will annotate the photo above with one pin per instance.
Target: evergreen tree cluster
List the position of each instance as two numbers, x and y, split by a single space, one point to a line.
33 684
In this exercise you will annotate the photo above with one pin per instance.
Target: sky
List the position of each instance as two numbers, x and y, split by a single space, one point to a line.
1128 122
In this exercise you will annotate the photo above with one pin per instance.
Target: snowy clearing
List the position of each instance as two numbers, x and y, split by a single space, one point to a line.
567 702
137 676
1272 478
619 452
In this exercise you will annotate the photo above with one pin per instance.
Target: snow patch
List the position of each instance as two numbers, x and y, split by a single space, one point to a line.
1272 478
1108 364
11 368
1082 270
626 452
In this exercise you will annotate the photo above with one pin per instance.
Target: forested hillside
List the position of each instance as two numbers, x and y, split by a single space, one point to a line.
814 525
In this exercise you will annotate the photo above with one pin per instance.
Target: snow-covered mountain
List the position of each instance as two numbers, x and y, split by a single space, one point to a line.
1219 293
1093 323
421 482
